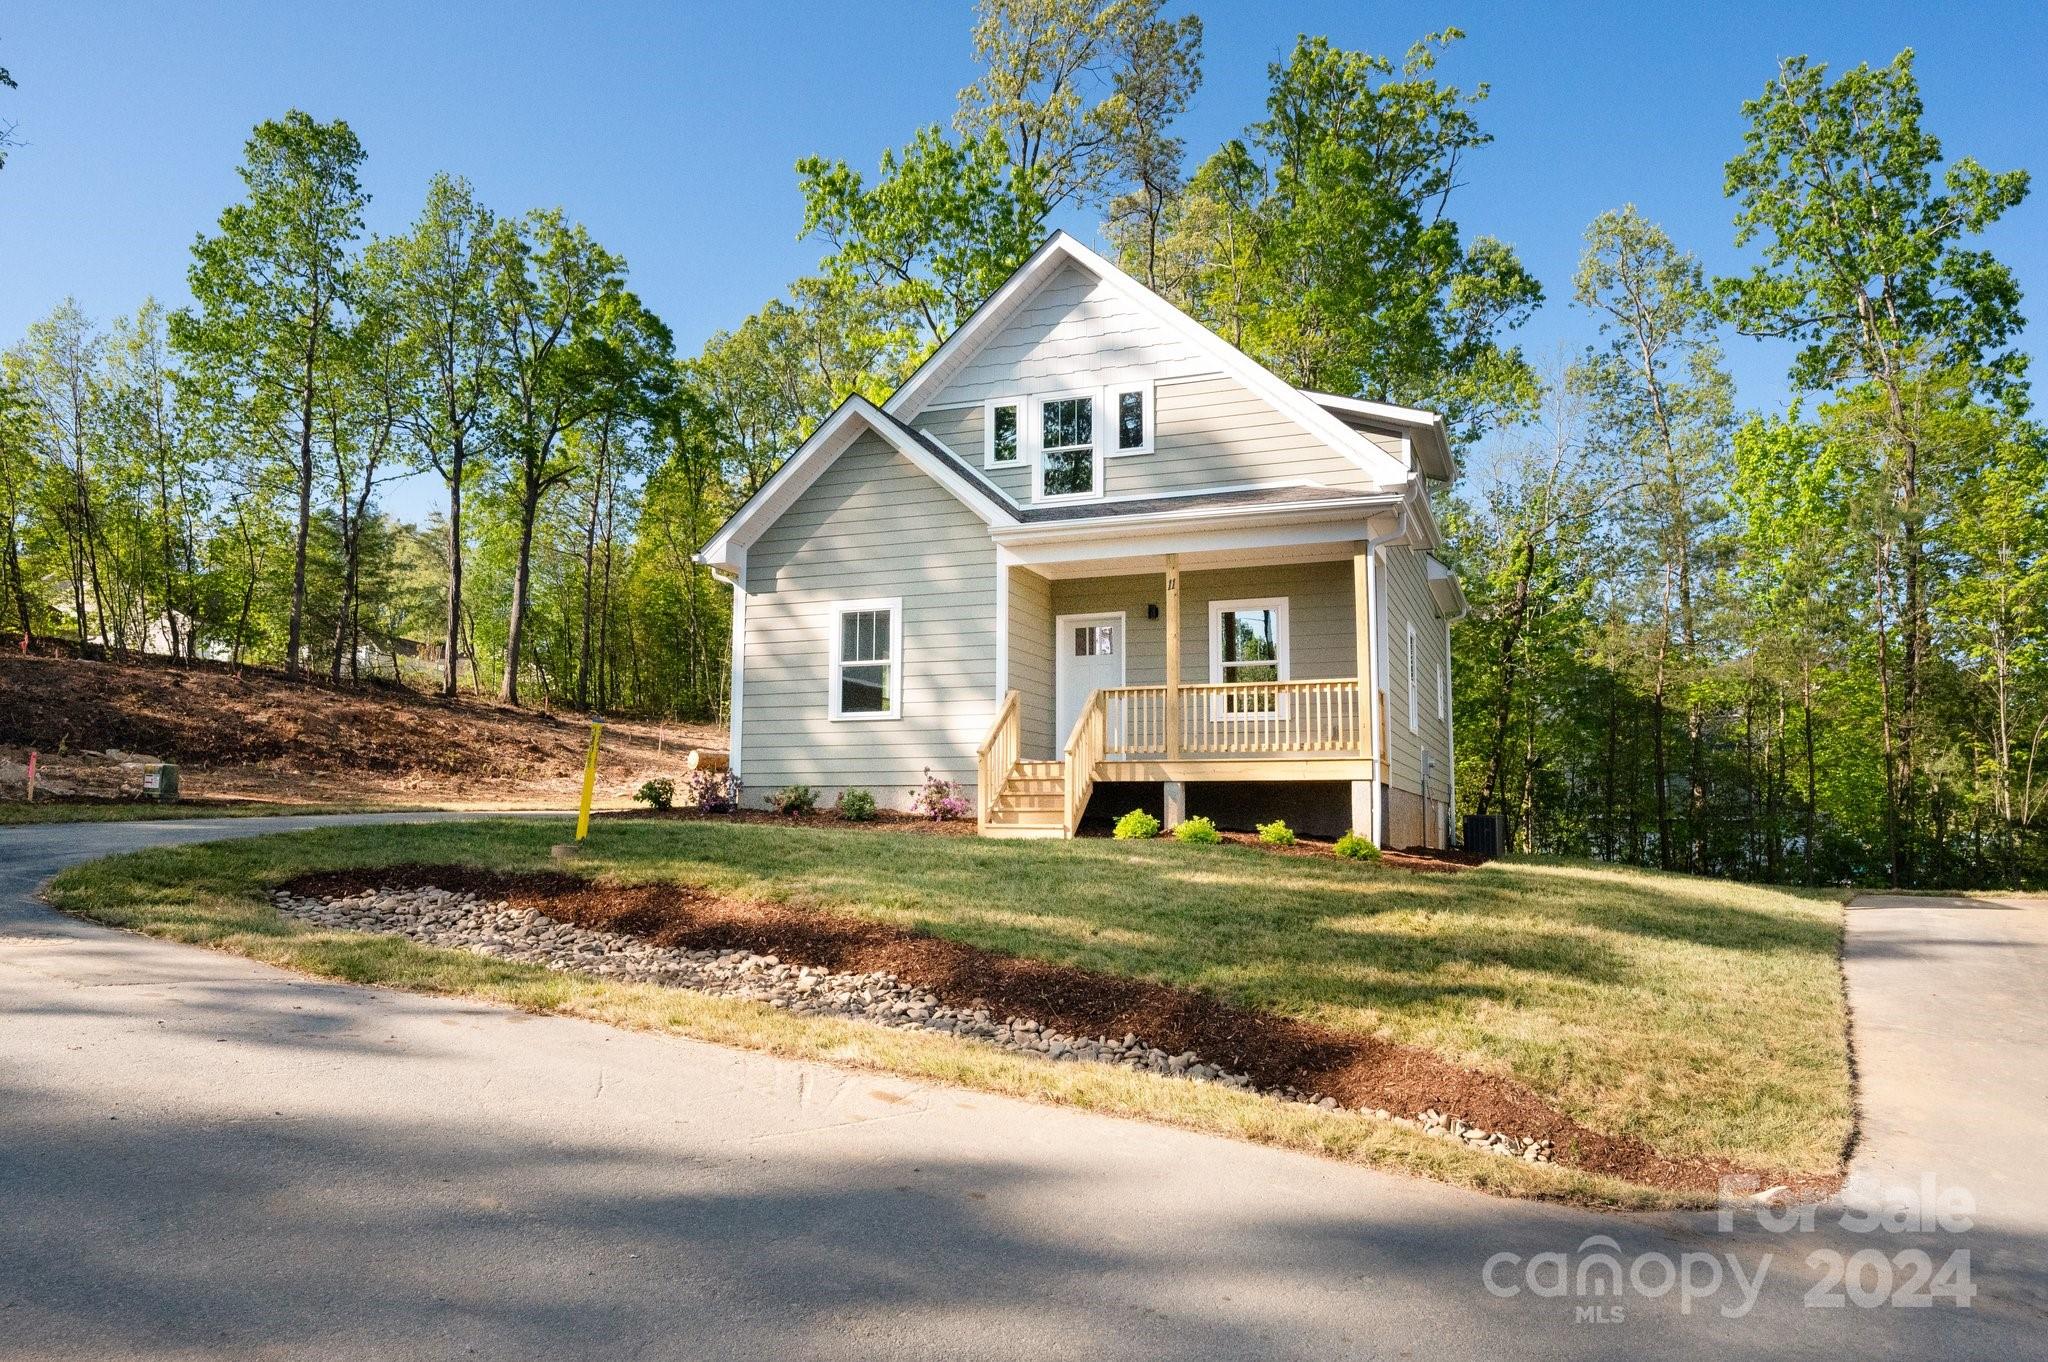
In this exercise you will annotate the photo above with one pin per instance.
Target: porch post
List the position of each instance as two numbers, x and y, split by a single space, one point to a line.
1173 657
1365 795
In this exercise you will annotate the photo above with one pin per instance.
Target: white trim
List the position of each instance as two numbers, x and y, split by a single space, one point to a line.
989 462
1450 739
1282 649
738 668
1002 626
836 611
1061 652
1414 683
1112 406
1443 687
1438 446
1123 526
853 416
1092 396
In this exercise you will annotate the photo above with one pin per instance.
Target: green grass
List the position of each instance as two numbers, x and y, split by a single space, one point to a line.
1704 1017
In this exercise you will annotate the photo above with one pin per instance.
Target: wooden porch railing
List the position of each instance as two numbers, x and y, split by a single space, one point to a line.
1086 746
1248 718
996 758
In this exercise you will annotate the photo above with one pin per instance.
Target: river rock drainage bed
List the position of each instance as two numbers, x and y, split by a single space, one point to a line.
468 921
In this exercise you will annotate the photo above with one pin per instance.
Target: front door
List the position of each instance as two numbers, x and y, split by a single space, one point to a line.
1090 653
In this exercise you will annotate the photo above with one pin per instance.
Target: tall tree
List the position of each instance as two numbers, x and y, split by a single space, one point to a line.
443 276
1665 407
545 304
1321 242
61 369
271 290
1080 93
1867 265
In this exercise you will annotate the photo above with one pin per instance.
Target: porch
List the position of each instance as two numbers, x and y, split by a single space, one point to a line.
1212 670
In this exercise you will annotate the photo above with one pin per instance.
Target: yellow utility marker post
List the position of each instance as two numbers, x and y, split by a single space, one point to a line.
589 781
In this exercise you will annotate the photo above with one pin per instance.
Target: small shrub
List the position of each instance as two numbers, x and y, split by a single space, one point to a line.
1136 826
658 793
711 792
940 800
1355 848
792 800
1199 831
1276 833
856 806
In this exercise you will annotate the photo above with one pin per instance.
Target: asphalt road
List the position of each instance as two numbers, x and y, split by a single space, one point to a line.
200 1156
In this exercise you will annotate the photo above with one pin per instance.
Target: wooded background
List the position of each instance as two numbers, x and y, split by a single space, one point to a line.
1800 644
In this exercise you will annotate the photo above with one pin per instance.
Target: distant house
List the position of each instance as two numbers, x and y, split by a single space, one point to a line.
1090 553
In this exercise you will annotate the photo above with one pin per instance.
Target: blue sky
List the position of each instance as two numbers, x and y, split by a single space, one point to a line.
670 129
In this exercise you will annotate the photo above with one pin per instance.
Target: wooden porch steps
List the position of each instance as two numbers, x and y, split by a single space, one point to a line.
1032 802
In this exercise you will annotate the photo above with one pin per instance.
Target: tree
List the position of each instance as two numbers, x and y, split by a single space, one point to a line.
1159 67
1866 265
1080 93
443 274
272 290
60 369
1664 407
165 468
546 301
942 226
7 137
1321 243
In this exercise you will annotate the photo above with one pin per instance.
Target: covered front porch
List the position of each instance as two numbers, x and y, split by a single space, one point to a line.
1212 666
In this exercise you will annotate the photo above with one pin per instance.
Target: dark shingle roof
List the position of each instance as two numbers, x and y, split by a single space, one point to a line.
1199 501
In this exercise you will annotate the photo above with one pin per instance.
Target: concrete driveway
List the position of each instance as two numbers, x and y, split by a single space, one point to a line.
200 1156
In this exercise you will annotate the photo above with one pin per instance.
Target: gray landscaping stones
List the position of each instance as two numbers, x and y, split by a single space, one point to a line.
464 921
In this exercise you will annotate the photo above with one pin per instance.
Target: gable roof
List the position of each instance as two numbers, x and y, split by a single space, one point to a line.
1059 250
1327 417
850 420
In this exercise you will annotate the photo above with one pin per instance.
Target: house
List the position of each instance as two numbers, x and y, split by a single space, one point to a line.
1091 556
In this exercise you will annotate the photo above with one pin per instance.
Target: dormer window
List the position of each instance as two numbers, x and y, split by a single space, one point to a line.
1069 455
1130 408
1002 444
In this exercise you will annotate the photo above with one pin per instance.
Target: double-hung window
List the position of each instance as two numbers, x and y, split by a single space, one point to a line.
1069 454
867 660
1248 643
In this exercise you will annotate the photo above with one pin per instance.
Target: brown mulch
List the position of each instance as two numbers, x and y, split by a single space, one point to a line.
1357 1070
885 820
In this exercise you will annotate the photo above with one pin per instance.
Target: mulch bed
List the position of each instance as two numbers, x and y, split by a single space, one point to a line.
1357 1070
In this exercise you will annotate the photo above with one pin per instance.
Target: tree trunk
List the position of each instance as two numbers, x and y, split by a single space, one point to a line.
453 643
515 625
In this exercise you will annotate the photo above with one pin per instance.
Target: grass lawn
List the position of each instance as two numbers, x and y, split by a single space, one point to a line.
1706 1018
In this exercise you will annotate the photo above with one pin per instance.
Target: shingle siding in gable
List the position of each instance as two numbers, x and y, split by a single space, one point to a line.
872 525
1074 331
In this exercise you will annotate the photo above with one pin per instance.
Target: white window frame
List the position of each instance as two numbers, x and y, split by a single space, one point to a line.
988 433
1282 636
1038 463
1112 399
835 637
1414 685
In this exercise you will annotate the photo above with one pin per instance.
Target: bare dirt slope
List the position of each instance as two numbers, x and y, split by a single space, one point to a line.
256 735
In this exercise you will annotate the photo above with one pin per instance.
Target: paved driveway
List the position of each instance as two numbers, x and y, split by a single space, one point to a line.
200 1156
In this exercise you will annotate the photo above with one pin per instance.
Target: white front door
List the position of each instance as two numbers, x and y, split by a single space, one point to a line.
1090 655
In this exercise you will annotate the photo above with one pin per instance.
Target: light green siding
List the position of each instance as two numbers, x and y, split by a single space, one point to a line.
1215 432
1406 585
1031 646
873 525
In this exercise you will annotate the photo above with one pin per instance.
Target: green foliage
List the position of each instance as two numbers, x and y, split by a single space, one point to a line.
1276 834
1197 831
658 793
857 805
1319 241
1353 847
793 800
1136 826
